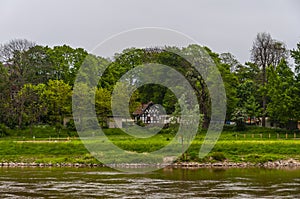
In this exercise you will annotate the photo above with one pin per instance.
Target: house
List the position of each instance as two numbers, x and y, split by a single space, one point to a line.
150 113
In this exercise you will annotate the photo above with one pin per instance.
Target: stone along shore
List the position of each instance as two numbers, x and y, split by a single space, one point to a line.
276 164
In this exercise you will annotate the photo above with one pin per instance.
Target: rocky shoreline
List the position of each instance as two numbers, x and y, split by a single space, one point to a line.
290 163
276 164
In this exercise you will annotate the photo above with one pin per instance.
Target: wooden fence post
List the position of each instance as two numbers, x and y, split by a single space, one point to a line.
277 135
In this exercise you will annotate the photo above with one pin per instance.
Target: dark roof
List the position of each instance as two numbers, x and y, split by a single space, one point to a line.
141 109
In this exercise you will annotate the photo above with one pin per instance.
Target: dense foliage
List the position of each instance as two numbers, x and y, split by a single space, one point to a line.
36 82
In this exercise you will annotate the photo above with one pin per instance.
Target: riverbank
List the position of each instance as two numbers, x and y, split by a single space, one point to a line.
290 163
74 152
256 147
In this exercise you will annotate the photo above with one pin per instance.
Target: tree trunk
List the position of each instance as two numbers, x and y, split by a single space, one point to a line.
264 98
203 107
20 116
20 120
31 133
263 119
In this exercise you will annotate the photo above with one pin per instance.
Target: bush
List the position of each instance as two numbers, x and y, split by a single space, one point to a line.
239 117
140 123
229 128
218 156
194 156
256 158
71 125
3 130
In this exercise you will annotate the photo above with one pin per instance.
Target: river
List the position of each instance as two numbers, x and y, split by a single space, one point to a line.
164 183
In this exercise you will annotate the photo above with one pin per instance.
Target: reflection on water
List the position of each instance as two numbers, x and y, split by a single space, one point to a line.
166 183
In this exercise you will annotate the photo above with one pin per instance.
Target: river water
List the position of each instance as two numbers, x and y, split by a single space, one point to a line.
164 183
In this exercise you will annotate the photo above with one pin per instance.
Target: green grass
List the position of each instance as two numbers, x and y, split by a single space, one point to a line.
54 152
233 146
40 131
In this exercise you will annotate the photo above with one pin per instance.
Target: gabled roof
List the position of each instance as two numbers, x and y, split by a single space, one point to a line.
141 109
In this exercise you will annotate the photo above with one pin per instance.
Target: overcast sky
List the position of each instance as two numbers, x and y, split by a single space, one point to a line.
222 25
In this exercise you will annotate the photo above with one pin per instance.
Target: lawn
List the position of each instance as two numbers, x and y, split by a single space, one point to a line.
254 145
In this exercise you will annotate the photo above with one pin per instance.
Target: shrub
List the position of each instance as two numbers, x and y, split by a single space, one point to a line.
3 130
140 123
218 156
71 125
239 117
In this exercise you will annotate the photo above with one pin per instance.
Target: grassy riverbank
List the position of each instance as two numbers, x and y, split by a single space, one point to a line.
256 145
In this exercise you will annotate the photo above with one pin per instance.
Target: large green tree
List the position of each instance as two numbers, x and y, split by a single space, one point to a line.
57 96
295 53
102 104
266 51
4 94
66 62
283 94
14 57
247 98
34 106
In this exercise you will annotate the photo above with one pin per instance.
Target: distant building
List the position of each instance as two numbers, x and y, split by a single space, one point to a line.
291 125
150 113
118 121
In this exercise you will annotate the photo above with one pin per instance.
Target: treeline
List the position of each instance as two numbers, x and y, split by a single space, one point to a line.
36 82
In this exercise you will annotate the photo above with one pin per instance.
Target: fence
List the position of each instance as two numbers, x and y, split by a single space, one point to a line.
278 136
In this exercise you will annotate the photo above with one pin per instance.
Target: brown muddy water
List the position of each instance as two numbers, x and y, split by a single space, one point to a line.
164 183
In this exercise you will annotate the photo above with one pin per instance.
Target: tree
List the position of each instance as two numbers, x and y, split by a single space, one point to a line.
246 72
41 67
124 62
229 79
119 99
66 62
57 96
83 103
283 94
91 68
169 101
187 116
4 94
11 51
23 63
295 53
196 80
239 117
252 107
230 60
131 58
33 107
265 52
247 98
14 58
102 104
230 83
